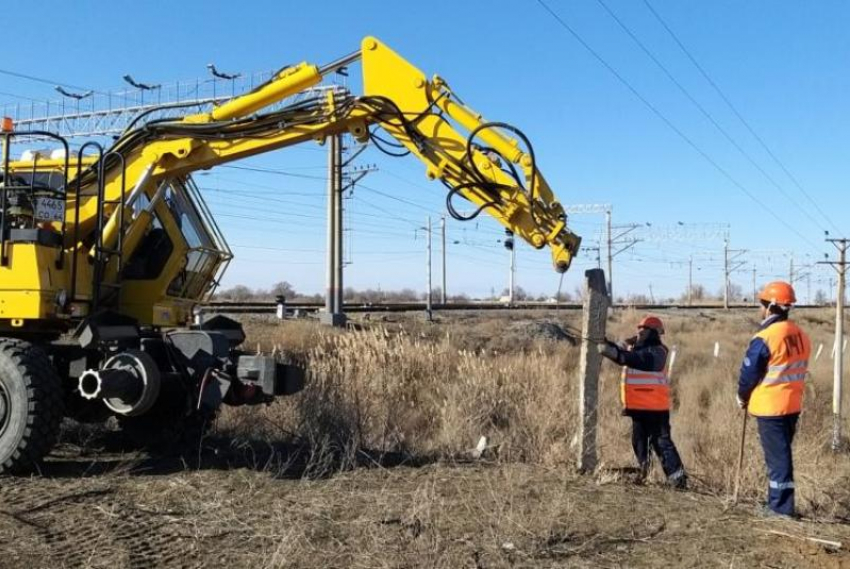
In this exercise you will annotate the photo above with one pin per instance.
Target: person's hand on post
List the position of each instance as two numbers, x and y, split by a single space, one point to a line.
608 349
741 403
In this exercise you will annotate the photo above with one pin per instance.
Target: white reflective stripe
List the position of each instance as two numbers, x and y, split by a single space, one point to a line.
648 381
778 374
793 365
784 379
639 377
631 372
781 485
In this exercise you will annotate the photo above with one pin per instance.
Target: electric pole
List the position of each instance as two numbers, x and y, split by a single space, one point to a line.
339 181
443 294
512 277
616 240
510 245
727 270
809 288
838 359
339 258
428 264
690 278
333 314
610 258
726 275
755 288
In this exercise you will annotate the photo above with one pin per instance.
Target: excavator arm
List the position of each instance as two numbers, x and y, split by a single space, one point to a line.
485 166
117 245
490 165
475 159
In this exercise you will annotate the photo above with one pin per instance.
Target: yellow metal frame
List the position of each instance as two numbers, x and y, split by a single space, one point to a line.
30 284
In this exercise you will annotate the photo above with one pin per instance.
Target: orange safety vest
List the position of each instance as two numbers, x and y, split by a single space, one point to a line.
781 390
645 390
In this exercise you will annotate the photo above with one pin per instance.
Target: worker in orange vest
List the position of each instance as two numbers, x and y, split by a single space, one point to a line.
770 388
645 395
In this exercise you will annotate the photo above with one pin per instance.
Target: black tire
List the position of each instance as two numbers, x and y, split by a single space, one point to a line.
31 406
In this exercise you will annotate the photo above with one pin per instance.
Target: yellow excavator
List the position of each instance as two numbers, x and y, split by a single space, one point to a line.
105 252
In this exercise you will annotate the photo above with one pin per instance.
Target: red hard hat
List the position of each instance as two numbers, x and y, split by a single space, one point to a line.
653 322
778 292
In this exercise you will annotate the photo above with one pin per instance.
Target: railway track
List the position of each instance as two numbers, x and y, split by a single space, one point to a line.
270 307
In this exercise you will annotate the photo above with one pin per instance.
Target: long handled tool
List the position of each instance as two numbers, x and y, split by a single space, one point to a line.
740 459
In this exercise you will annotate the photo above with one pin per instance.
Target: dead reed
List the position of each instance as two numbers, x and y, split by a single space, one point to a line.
420 390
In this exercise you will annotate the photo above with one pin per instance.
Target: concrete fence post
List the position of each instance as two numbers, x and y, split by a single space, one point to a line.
671 362
595 312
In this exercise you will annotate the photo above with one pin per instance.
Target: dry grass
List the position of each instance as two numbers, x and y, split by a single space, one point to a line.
431 391
439 516
406 393
411 392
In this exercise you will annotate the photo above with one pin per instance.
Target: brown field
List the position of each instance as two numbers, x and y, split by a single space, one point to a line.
370 466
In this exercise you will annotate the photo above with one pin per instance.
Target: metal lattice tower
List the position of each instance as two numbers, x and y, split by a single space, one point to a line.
108 113
683 232
587 208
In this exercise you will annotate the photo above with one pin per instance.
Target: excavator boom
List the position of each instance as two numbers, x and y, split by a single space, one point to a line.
104 254
116 197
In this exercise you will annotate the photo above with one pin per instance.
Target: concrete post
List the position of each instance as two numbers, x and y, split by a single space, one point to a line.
838 362
593 331
333 314
429 290
443 293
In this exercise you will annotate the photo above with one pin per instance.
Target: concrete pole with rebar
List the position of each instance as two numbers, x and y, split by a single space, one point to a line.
595 311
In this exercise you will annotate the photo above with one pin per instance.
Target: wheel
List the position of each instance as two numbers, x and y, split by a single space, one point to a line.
31 405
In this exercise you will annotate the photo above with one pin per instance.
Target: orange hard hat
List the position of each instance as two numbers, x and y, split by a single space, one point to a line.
778 292
653 322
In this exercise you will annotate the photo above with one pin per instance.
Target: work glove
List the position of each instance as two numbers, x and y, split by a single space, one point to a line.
741 403
608 349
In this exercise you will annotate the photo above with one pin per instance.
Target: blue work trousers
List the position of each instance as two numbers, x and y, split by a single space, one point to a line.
777 434
651 429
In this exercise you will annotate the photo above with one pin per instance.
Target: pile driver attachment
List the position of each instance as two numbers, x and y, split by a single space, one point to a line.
105 252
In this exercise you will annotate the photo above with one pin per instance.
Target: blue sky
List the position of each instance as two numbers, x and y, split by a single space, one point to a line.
783 64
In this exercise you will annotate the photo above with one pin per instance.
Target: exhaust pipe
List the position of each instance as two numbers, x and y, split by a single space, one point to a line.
128 384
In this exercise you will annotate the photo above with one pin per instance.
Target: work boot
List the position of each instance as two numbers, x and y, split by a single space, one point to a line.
678 480
765 511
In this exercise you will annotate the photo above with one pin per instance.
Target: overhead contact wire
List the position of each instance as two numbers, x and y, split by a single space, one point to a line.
674 128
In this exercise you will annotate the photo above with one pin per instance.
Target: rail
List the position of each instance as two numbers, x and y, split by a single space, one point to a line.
270 307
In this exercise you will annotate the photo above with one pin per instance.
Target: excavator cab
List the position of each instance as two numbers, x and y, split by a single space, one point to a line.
179 260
